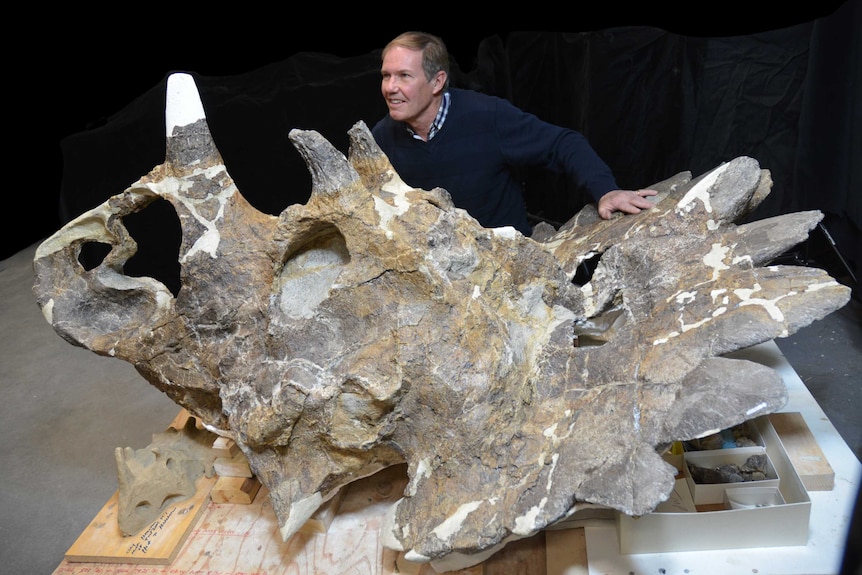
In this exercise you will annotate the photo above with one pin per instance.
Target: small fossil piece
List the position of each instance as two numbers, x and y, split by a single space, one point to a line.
753 469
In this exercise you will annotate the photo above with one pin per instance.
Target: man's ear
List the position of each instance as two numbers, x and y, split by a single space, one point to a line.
439 82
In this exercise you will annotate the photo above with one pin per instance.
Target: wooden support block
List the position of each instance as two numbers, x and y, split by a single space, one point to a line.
322 518
158 544
524 557
236 466
402 566
225 447
566 552
179 422
806 456
239 490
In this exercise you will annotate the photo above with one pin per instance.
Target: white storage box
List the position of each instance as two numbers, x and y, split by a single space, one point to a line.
678 526
706 493
752 497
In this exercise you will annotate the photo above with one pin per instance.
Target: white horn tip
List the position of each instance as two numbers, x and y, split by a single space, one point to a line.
182 103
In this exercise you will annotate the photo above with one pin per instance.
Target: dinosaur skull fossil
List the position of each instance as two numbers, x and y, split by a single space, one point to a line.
378 324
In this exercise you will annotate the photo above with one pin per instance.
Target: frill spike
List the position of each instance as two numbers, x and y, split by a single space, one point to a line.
189 143
329 168
371 163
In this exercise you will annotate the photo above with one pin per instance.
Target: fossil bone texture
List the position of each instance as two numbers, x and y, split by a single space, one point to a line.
378 324
165 472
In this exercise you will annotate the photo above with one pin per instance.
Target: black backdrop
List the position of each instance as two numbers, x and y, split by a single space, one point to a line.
654 98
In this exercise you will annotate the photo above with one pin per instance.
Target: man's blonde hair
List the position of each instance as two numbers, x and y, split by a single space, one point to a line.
435 56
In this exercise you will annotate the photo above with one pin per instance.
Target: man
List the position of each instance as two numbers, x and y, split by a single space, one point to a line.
473 144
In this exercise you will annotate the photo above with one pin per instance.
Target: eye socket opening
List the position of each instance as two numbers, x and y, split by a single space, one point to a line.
158 235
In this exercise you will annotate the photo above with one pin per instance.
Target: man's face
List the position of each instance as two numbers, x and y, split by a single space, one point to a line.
407 91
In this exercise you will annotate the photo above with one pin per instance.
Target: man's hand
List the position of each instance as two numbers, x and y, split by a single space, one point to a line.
626 201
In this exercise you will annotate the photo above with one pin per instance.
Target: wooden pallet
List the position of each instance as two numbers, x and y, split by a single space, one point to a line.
229 539
343 537
103 542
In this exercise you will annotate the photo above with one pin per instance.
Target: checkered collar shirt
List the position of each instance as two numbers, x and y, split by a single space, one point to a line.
438 120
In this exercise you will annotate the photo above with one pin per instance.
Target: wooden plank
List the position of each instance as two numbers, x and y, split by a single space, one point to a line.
524 557
566 551
236 466
230 539
225 447
179 422
236 490
805 454
394 563
103 542
325 514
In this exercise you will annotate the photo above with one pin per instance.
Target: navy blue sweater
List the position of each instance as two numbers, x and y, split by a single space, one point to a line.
484 143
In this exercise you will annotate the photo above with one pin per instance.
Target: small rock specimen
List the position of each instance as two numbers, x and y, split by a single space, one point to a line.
755 468
378 324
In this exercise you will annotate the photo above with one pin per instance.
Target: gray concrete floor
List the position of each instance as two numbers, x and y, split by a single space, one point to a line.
64 410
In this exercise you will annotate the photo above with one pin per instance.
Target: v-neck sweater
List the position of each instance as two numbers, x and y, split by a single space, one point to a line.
476 156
